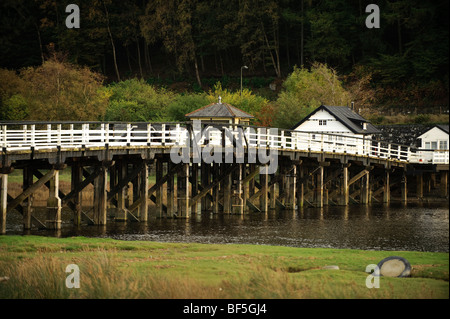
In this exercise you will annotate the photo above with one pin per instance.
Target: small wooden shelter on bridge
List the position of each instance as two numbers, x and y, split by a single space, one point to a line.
220 113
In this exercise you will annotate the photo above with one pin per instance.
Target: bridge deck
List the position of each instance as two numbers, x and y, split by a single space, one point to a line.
33 138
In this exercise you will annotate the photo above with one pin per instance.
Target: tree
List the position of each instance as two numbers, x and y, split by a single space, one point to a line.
58 90
333 32
13 106
304 90
172 21
258 32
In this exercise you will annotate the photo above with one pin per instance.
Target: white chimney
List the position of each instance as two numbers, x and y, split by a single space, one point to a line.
220 99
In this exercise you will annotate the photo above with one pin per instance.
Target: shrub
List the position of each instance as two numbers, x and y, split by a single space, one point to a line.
247 102
183 104
135 100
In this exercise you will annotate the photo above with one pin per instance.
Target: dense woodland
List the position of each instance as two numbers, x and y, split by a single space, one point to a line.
154 60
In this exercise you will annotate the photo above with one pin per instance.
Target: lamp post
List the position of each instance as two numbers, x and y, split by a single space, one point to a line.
242 67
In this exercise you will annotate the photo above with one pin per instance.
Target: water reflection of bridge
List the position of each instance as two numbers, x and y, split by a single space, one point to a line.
219 168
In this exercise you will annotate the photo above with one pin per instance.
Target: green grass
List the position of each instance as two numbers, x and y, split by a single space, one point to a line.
138 269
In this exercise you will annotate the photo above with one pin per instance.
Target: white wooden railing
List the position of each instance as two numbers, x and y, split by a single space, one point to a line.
72 135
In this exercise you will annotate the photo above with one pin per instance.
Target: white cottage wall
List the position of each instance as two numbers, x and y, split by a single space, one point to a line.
435 139
315 124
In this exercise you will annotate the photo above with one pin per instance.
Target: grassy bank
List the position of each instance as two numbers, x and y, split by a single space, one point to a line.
123 269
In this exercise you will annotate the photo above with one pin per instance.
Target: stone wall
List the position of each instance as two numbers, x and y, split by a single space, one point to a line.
402 134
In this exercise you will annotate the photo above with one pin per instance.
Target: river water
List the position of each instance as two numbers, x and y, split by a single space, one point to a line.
415 227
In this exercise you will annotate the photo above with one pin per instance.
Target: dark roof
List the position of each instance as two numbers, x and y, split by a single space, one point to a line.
219 110
443 127
352 120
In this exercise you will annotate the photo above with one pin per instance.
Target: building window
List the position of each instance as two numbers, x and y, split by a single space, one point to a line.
322 122
443 145
434 145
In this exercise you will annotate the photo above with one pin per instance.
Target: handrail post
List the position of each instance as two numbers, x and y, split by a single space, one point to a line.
58 136
106 136
33 137
25 133
258 137
321 142
177 134
163 134
4 134
71 133
83 134
149 134
309 141
102 133
128 134
49 133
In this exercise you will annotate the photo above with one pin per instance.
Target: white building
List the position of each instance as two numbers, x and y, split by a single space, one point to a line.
339 120
436 138
342 122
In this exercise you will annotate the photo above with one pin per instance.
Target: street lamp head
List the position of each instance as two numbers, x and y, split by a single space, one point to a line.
245 67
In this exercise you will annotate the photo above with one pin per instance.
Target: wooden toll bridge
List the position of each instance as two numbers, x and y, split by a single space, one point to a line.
226 168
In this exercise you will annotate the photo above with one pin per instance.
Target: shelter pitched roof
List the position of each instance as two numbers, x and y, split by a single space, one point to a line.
219 110
443 127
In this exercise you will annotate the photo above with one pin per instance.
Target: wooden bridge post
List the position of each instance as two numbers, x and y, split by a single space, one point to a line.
215 191
237 200
282 183
365 188
387 187
54 206
170 190
194 186
251 182
444 184
404 187
136 188
205 176
143 192
319 185
3 201
300 185
28 202
245 187
273 192
100 196
76 179
344 196
291 181
419 186
264 181
183 194
121 171
159 190
227 194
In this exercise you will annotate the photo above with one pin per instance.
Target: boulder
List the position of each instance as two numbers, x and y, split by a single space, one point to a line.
394 266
